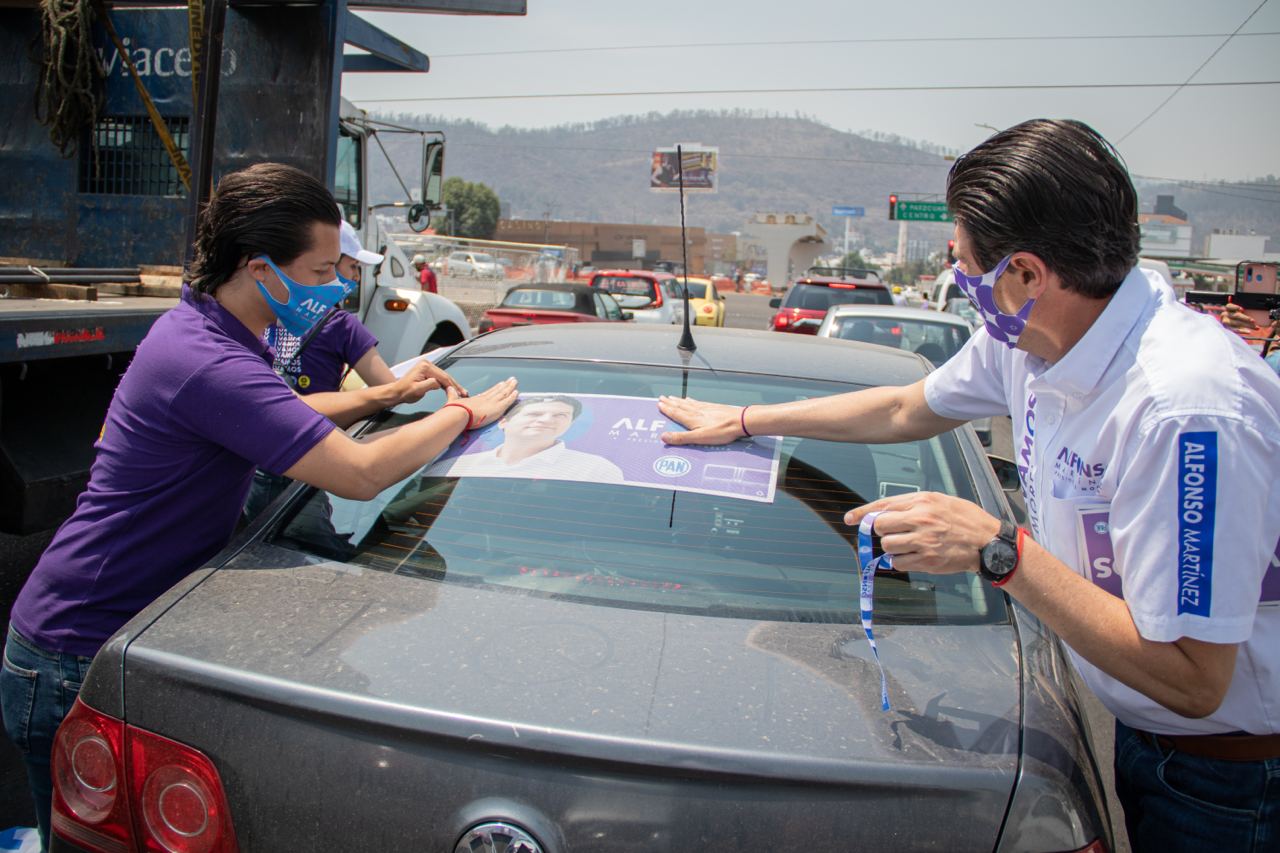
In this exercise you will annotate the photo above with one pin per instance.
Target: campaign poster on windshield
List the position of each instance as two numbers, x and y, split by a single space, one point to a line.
594 438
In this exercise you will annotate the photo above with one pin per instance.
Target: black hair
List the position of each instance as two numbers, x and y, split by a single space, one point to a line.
550 398
266 209
1054 188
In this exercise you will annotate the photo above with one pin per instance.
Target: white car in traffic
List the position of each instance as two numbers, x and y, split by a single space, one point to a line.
934 335
474 265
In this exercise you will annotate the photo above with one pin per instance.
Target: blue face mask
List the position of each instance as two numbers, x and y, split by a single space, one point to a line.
349 284
981 290
307 303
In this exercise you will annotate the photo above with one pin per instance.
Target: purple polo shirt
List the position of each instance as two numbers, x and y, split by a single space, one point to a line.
197 410
341 341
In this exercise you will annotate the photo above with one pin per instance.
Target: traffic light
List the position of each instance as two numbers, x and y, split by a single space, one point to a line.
951 251
893 206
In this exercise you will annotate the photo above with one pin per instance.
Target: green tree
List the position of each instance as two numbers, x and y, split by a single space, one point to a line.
855 261
473 210
907 273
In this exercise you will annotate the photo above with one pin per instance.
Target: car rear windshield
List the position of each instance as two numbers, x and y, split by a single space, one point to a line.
697 290
820 297
558 300
935 341
643 548
625 285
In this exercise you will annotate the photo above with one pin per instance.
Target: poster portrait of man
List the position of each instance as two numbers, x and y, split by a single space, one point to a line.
532 447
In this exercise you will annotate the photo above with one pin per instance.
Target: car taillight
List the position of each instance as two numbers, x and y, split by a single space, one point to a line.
178 797
166 797
707 309
90 806
781 320
485 325
657 296
840 286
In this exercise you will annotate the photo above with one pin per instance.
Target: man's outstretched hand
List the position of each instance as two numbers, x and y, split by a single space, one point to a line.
707 423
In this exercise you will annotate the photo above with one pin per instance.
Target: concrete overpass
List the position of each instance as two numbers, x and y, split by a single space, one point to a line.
791 242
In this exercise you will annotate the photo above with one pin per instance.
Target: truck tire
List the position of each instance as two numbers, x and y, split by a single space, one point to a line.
446 334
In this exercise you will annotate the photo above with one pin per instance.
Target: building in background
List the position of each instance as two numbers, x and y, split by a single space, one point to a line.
1165 231
1230 245
605 244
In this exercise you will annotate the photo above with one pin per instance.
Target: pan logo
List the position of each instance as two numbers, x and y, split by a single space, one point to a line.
671 466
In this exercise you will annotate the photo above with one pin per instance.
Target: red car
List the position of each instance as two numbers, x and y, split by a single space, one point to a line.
806 303
533 304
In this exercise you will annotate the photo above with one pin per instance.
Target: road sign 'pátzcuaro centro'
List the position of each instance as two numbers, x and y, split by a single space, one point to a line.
918 211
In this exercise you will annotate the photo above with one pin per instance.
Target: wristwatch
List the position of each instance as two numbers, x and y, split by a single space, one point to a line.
998 559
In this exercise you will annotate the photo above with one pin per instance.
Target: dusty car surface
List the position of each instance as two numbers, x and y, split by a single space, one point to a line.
573 666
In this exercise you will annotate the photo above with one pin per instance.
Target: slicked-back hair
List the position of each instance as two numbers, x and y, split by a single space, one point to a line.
1054 188
266 209
548 398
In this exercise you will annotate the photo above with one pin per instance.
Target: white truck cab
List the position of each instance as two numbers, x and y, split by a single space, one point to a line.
391 303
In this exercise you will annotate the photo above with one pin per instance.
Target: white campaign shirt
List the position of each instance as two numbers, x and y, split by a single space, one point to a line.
1149 457
557 462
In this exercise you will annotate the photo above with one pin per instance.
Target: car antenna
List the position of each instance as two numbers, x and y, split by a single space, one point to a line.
686 338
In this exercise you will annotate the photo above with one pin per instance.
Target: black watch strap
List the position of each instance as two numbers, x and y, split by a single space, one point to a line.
998 560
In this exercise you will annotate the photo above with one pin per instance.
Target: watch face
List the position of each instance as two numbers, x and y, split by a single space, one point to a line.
999 557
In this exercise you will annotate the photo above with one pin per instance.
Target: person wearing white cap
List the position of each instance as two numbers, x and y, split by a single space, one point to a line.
319 362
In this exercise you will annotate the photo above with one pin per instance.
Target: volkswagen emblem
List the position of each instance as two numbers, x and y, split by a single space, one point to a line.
496 837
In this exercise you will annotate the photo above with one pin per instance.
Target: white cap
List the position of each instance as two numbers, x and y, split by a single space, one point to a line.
419 260
351 247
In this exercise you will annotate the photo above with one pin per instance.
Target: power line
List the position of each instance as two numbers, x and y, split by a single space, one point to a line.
816 42
1200 187
1187 82
1248 186
820 90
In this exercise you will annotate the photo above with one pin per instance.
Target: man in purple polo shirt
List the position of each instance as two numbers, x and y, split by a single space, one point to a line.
197 410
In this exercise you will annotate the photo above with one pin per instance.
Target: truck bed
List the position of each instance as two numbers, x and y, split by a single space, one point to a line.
35 329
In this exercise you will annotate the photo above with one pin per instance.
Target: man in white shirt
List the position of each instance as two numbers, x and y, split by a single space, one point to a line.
531 447
1147 440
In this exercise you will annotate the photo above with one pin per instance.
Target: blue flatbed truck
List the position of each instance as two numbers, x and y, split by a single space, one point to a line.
92 244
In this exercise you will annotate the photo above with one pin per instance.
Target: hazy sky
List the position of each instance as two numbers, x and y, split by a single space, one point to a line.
1227 132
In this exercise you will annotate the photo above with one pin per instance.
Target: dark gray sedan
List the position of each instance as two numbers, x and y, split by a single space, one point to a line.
520 665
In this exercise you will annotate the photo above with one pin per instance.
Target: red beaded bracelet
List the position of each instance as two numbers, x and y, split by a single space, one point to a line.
471 417
742 422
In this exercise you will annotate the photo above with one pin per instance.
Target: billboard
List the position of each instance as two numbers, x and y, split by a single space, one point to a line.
700 169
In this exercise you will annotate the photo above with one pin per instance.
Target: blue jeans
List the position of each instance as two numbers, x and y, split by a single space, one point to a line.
1174 801
266 487
37 689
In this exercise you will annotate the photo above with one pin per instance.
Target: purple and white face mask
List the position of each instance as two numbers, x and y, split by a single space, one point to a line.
1005 328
